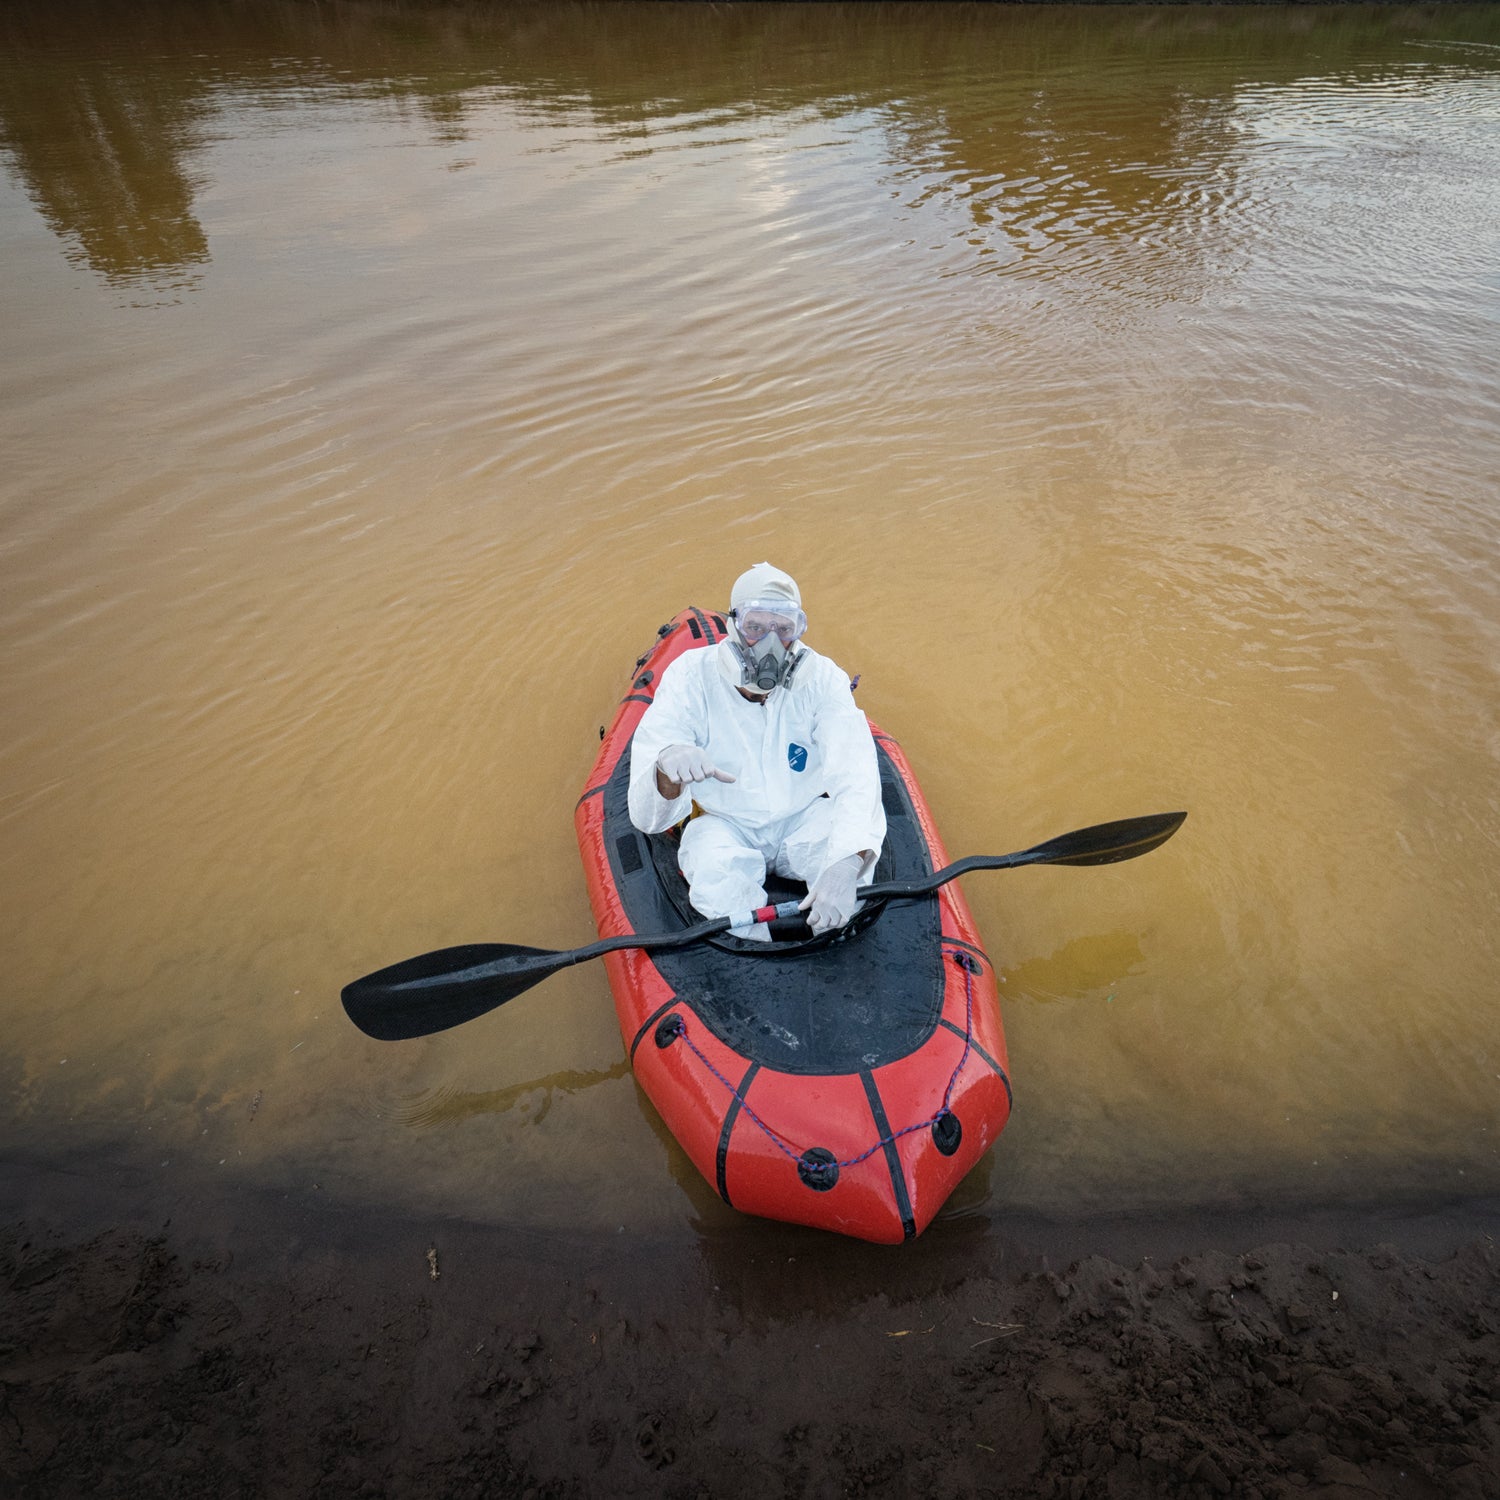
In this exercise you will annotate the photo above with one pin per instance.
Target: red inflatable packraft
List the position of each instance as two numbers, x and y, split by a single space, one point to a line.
846 1082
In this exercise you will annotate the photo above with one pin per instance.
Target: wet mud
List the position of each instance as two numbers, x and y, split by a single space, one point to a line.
250 1347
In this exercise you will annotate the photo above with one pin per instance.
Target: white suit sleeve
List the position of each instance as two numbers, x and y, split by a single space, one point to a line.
851 773
677 715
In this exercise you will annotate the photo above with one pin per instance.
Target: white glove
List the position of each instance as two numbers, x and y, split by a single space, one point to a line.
831 896
687 763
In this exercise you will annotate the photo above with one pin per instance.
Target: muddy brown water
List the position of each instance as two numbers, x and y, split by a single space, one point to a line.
1120 383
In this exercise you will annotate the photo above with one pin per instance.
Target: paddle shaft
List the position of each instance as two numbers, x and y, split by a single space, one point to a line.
437 990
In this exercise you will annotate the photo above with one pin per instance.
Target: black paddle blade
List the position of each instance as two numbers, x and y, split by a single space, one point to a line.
1108 843
438 990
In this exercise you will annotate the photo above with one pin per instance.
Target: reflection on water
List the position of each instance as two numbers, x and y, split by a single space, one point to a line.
1086 968
102 148
536 1097
1119 382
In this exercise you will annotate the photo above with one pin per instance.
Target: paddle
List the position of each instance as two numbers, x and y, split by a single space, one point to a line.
437 990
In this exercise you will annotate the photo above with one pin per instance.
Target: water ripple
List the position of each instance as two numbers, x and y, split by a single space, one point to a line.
1131 412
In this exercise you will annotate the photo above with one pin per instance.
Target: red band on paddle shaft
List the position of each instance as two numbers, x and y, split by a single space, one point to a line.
765 914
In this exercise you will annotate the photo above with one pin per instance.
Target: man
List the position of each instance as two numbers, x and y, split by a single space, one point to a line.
762 733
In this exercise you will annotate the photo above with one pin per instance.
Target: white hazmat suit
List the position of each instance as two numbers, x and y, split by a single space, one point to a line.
805 793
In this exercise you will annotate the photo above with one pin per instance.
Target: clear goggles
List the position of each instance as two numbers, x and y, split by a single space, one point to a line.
762 617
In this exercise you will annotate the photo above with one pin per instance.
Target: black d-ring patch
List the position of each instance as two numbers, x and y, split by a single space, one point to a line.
947 1132
818 1167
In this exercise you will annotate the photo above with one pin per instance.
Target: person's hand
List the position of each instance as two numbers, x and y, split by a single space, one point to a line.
682 764
830 899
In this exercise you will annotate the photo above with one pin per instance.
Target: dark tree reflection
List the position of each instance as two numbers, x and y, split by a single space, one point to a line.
100 140
104 102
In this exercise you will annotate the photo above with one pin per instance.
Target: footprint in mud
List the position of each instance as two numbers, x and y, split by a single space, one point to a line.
653 1442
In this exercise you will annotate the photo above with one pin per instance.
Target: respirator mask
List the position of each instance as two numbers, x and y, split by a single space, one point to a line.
765 630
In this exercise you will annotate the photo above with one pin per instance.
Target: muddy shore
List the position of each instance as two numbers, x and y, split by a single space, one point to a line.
238 1342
